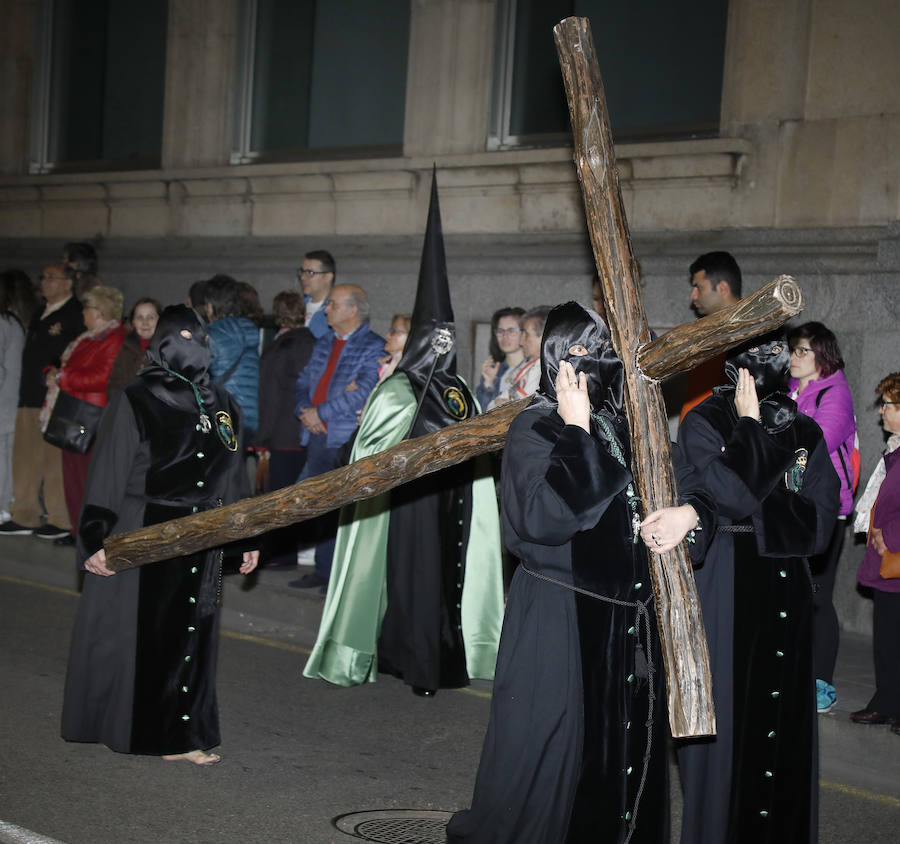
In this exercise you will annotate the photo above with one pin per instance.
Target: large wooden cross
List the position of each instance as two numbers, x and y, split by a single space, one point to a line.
680 623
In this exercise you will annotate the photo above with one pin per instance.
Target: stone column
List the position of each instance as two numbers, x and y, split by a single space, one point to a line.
16 73
448 76
200 57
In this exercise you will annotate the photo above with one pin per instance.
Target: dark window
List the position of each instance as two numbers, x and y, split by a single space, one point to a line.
321 78
106 83
661 63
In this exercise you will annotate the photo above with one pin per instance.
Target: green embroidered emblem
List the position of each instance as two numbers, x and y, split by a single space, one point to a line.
456 403
225 430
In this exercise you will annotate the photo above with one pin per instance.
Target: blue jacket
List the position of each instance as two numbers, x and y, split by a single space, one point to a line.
318 323
234 339
358 363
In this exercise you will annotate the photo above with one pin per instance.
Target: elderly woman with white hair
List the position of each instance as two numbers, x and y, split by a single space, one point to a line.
84 370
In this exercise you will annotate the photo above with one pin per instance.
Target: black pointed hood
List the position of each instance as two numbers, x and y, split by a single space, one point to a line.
447 399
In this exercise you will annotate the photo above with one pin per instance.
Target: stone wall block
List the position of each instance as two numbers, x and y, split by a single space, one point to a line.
147 217
542 210
19 221
155 189
293 216
69 220
216 216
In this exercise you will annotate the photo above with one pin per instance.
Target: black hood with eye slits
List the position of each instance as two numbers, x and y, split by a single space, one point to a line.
571 325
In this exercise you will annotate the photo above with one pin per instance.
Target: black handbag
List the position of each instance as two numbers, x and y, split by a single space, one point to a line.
73 423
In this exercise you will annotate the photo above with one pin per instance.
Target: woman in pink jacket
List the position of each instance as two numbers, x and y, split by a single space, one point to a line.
820 389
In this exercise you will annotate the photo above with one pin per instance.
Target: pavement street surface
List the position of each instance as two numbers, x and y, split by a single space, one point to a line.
297 753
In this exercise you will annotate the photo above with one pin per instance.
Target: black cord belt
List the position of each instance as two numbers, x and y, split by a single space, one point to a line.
735 529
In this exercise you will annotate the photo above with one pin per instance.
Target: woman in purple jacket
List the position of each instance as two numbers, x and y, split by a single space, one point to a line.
882 495
820 389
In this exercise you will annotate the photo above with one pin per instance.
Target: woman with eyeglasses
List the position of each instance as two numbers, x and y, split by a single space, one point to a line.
878 514
505 356
524 379
818 385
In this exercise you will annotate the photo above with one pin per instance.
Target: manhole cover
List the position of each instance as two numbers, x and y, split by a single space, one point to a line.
396 826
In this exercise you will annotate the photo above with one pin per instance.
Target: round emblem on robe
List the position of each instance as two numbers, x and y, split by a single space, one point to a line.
793 477
455 402
225 430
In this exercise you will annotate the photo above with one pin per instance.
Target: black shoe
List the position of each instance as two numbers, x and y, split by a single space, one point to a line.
49 532
870 716
420 691
309 581
15 529
67 541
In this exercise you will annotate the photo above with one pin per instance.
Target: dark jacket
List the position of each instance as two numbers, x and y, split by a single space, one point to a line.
281 363
235 340
126 365
45 341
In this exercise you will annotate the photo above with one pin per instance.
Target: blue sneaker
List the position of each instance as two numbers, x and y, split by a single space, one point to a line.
826 697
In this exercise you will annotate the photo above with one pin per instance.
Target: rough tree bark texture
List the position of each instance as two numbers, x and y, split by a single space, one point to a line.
673 352
365 478
685 653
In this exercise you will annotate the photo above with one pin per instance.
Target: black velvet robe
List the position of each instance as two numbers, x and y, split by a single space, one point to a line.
576 746
756 781
142 665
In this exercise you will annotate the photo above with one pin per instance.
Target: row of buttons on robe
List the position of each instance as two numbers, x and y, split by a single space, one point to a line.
632 631
775 693
459 563
200 484
191 629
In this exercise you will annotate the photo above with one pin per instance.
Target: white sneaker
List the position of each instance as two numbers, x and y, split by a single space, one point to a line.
306 556
4 516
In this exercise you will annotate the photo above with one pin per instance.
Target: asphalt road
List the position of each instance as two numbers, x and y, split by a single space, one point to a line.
296 753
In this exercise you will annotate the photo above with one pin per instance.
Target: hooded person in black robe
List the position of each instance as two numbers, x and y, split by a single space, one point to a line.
142 665
768 468
575 749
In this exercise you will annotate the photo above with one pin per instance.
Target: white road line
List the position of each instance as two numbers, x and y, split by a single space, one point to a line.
12 834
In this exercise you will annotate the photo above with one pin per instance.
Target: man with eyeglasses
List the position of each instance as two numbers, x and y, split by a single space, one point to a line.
37 465
715 284
316 276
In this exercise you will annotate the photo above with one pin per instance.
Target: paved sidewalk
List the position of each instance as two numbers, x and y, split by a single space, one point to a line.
263 604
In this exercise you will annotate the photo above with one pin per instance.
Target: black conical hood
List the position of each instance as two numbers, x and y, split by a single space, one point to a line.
447 399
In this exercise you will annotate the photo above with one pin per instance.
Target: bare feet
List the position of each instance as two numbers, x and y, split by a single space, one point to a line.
198 757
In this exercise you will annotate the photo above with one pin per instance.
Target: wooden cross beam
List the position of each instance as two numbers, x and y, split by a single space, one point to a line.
682 348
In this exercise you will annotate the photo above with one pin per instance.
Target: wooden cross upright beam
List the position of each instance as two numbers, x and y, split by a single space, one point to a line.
679 618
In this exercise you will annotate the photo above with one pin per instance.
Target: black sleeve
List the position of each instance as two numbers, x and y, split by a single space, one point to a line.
557 480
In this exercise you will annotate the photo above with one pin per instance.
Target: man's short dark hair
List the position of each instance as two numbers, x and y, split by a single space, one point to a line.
82 256
719 266
222 294
325 258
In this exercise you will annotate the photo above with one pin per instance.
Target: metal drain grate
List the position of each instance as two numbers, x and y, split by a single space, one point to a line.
396 826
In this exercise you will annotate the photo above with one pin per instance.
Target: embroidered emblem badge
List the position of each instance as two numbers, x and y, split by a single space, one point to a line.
55 330
225 430
793 477
456 403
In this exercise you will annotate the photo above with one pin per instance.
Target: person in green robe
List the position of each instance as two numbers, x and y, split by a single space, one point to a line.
416 589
